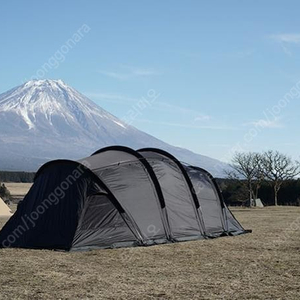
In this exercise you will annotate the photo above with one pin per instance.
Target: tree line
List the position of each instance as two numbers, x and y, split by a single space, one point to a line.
252 172
11 176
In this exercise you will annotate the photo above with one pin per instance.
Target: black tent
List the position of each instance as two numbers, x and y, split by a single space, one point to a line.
118 197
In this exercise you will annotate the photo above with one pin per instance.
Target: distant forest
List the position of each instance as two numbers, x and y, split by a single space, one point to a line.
235 192
10 176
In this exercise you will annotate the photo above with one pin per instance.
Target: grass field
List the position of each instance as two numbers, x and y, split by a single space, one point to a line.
18 190
261 265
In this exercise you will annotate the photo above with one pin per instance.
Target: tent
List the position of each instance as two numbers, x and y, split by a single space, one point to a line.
258 203
4 209
118 197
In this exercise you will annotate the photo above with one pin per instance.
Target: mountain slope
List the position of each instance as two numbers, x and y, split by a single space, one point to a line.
43 120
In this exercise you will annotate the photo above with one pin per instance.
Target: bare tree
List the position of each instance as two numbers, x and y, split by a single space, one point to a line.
259 173
246 165
278 168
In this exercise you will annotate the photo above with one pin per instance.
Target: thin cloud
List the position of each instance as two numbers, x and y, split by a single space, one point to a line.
128 72
286 40
110 97
265 124
293 38
286 50
202 118
183 125
143 72
157 106
115 75
195 115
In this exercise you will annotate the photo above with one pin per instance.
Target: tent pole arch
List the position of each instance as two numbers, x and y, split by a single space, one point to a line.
217 189
188 181
221 197
214 183
152 177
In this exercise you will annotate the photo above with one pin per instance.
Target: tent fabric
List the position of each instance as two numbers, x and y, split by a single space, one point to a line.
210 202
100 218
258 203
135 187
217 217
4 209
49 215
118 197
182 211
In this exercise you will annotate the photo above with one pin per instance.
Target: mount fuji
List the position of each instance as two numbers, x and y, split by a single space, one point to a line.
43 120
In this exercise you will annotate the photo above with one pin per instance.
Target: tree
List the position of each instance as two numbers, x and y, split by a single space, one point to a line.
259 176
246 165
278 168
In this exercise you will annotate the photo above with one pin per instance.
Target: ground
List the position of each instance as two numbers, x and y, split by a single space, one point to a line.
18 190
260 265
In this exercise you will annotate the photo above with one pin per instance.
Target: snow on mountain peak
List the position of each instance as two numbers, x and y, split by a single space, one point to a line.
45 84
53 103
39 82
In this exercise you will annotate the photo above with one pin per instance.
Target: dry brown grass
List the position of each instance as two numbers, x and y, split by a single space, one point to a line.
261 265
18 190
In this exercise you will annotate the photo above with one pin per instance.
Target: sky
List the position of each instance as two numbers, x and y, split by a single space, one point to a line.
212 76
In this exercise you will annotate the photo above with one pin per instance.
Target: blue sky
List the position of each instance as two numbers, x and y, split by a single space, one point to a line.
226 73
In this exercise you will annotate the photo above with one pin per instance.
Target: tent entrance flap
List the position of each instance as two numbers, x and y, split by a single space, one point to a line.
101 225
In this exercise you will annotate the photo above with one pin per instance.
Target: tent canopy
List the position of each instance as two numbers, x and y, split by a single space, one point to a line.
4 209
119 197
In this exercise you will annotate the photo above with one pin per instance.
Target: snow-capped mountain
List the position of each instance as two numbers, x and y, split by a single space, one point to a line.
43 120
